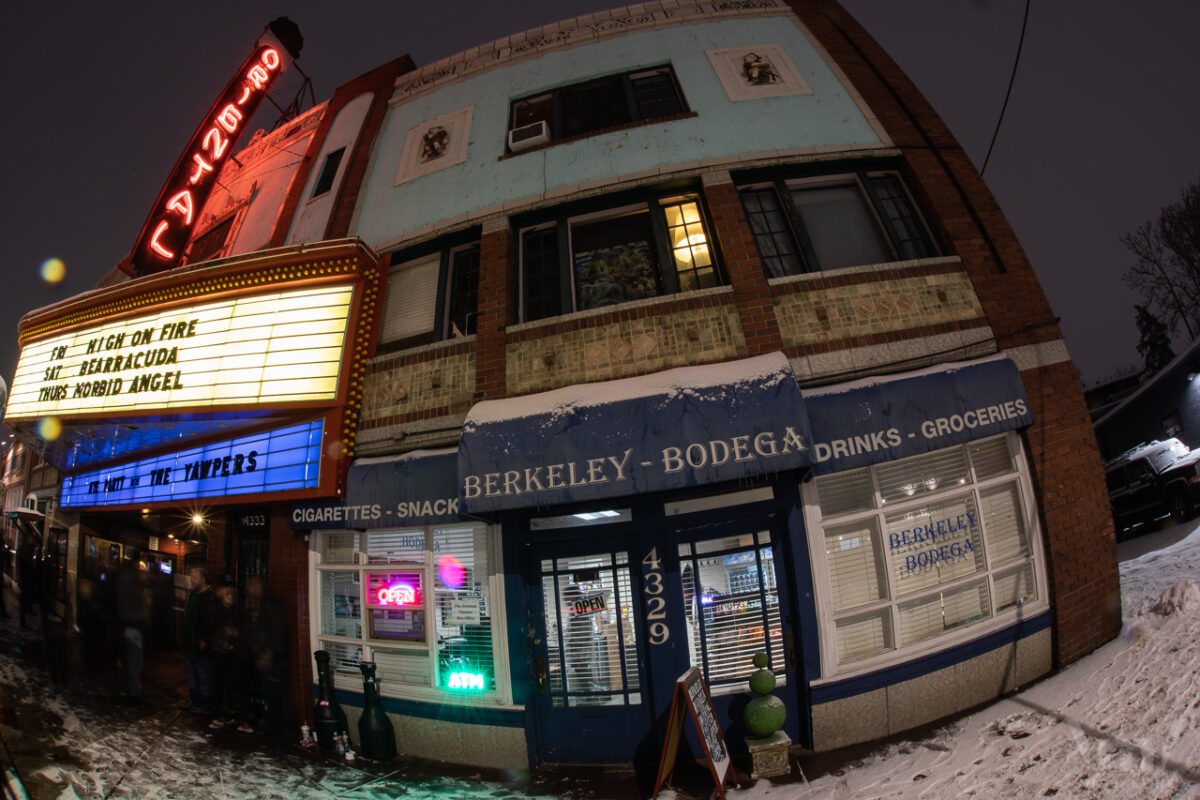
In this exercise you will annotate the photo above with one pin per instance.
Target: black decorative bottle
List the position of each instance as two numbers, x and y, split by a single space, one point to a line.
328 717
376 736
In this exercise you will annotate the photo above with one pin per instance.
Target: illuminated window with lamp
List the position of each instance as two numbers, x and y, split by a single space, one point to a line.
418 602
606 253
916 551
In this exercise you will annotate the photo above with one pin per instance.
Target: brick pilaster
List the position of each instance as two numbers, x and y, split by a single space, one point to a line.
287 585
495 309
742 264
1081 545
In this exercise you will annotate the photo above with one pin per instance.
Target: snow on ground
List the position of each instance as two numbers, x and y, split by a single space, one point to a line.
1123 722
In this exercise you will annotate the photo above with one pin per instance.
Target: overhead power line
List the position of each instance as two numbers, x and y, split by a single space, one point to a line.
1011 78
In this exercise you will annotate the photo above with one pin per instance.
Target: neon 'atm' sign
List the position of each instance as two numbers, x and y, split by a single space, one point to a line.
174 214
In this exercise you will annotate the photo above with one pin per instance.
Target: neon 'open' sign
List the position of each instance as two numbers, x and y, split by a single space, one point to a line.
396 594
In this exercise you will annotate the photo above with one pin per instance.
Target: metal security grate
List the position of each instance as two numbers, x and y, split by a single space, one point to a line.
731 603
592 651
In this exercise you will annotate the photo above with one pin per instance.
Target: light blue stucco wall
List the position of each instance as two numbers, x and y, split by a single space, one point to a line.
722 129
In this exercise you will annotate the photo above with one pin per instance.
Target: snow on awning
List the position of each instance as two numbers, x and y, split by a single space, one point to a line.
682 427
880 419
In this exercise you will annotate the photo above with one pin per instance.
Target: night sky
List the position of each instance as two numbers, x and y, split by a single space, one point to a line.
1100 132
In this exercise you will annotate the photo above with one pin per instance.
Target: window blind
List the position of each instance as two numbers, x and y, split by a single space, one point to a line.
411 306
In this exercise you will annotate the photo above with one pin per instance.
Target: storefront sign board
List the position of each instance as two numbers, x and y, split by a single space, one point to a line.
270 461
675 429
872 421
419 488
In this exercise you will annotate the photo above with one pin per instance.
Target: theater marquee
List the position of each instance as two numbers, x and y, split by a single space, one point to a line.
274 347
282 460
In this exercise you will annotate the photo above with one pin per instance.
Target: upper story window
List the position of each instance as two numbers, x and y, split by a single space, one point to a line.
328 172
614 255
590 106
433 293
831 221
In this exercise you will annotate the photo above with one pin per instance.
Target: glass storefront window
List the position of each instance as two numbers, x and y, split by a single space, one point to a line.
591 645
915 549
416 601
731 603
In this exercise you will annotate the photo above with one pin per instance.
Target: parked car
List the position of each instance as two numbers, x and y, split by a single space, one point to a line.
1152 480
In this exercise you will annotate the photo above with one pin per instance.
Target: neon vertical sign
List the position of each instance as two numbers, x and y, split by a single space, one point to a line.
165 235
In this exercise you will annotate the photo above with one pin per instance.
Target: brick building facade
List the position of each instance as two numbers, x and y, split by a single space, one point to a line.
701 336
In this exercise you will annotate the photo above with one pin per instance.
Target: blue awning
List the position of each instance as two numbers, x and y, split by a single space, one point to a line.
417 488
880 419
673 429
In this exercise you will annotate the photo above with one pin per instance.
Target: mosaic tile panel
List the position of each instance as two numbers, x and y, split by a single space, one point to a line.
821 315
409 388
625 347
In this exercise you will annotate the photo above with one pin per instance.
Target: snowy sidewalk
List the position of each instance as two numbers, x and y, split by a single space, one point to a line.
80 744
1123 722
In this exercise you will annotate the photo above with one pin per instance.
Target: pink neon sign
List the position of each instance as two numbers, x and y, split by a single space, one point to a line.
397 594
166 233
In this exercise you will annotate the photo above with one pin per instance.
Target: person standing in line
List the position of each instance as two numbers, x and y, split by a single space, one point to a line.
196 632
5 563
225 644
267 664
27 576
131 619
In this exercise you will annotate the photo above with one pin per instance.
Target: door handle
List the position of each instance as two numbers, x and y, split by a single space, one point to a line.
539 671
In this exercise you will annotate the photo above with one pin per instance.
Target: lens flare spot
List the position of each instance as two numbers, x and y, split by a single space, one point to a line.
53 270
451 571
49 428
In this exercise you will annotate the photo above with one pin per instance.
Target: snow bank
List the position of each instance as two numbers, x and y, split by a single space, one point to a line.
1124 722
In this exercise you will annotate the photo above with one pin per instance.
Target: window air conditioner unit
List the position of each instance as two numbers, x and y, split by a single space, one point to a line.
528 136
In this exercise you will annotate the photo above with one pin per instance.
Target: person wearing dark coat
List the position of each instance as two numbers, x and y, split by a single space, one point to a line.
265 665
225 644
27 576
131 617
199 623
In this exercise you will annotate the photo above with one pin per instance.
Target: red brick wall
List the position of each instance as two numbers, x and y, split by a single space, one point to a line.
287 585
744 268
495 311
1068 475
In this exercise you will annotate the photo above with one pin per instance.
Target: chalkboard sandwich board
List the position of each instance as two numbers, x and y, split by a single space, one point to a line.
691 695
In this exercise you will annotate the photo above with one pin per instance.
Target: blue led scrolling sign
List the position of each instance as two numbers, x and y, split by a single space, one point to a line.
271 461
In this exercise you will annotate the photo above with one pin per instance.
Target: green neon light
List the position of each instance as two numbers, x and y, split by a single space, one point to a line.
471 681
